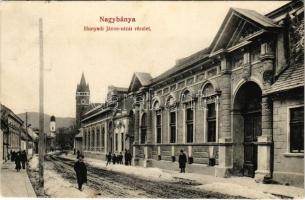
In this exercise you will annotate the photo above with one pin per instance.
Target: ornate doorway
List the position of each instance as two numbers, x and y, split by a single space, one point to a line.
247 127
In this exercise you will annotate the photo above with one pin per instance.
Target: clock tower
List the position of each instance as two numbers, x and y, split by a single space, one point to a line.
82 99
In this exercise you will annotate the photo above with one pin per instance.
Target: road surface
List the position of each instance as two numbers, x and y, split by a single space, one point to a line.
115 184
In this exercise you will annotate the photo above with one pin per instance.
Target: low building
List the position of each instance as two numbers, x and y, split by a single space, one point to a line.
106 128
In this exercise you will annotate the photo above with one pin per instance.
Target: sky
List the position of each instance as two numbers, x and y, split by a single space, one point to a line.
178 29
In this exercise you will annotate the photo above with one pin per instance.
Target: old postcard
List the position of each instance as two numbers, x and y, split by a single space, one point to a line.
127 99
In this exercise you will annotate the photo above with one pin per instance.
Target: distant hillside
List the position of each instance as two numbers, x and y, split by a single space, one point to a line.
33 119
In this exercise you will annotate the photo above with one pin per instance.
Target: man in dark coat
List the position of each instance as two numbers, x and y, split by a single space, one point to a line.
182 161
81 172
120 158
108 158
129 157
114 158
78 154
23 159
126 157
13 155
17 161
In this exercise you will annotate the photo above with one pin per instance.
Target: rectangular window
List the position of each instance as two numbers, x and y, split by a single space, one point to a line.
143 135
297 130
189 125
211 122
158 127
98 139
89 144
172 127
85 140
122 141
116 142
103 137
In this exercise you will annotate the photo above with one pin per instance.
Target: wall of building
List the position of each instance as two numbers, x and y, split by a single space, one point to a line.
288 167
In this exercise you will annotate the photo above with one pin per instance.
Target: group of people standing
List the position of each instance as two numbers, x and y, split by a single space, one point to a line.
20 159
119 158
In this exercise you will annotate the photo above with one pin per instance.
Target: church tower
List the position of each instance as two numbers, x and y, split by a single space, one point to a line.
82 99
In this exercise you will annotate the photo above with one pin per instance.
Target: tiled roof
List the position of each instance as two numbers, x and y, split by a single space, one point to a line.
144 78
257 17
183 63
292 77
118 89
92 107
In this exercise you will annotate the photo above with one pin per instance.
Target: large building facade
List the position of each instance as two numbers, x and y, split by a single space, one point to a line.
235 108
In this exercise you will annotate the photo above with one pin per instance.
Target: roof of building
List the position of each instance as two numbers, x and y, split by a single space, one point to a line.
5 112
83 86
188 61
286 7
144 78
93 107
118 89
256 17
292 77
183 63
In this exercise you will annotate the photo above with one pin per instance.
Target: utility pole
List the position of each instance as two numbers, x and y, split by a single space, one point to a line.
41 147
27 133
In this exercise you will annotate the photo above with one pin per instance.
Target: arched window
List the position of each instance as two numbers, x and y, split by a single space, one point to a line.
85 139
156 105
170 102
103 137
172 125
93 139
158 118
98 144
186 96
143 129
89 137
207 92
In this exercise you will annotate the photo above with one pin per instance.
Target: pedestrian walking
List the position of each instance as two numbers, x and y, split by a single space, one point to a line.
77 154
23 158
108 158
182 161
17 161
126 157
81 172
120 158
114 158
129 157
13 155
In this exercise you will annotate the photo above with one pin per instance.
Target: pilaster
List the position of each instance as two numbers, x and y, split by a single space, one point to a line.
265 142
224 132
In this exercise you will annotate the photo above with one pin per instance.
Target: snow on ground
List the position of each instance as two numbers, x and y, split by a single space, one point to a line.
240 186
33 163
149 173
58 187
235 190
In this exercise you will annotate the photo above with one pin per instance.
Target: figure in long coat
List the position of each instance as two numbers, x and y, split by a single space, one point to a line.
17 161
81 172
182 161
23 158
129 157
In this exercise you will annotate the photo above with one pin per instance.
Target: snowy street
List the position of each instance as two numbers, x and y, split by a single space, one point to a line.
108 183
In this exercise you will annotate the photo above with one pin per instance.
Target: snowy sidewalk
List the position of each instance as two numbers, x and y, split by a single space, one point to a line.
15 184
239 186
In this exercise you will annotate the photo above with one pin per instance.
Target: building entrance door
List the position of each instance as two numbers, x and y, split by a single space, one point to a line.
246 128
252 129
